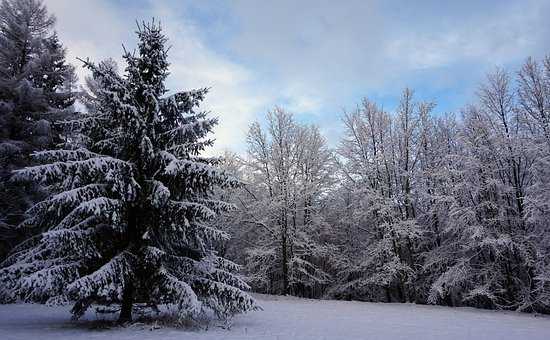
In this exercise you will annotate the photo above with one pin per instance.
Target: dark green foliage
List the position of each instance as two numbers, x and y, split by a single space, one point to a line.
35 91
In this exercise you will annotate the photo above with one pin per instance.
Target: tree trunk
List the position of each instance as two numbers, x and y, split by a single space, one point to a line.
133 243
285 264
127 302
388 294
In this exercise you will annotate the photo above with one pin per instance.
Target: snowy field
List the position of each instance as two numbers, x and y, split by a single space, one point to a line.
291 318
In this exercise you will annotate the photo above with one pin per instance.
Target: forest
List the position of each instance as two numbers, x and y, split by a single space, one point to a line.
109 195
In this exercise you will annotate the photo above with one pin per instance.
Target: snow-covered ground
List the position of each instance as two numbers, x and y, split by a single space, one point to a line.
286 318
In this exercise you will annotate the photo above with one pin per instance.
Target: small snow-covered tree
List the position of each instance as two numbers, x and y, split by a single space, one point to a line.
127 222
286 172
435 194
378 162
534 109
489 252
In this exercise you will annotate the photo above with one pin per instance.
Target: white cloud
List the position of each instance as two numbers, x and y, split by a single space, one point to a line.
193 64
89 29
313 56
301 103
510 33
340 50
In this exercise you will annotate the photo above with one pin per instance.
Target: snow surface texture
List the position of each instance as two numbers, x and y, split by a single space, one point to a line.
298 319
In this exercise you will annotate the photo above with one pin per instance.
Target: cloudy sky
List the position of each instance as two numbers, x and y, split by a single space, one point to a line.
315 58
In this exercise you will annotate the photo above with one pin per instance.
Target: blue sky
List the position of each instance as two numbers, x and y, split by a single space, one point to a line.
316 58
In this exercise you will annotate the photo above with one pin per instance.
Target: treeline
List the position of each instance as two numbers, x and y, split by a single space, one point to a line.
411 206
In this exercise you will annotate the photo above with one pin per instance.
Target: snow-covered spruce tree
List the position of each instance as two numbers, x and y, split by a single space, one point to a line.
127 222
35 91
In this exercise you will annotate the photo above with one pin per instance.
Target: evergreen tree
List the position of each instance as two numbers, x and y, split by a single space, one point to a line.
128 221
35 90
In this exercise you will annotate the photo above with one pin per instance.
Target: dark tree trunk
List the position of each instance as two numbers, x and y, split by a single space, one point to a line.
133 244
127 302
285 264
